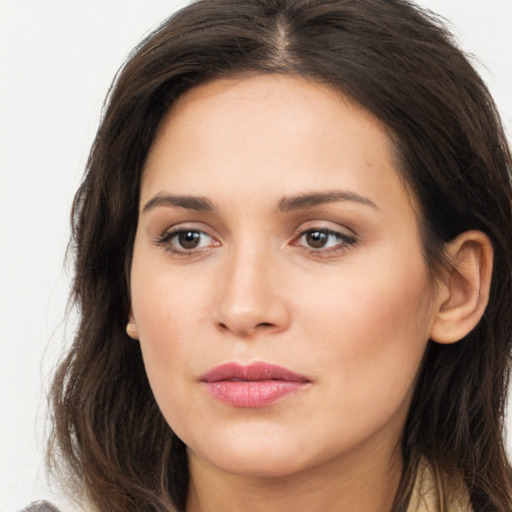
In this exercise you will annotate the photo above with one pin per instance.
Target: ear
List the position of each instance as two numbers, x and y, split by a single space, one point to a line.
463 290
131 327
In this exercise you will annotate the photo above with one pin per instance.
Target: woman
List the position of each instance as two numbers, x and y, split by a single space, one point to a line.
293 268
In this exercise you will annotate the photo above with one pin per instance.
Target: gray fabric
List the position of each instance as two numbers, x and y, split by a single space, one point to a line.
40 506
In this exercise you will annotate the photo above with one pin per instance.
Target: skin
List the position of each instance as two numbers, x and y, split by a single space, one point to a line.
353 316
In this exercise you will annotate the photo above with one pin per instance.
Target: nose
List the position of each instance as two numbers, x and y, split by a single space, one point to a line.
251 298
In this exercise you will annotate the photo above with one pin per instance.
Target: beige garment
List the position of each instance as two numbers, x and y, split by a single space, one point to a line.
432 493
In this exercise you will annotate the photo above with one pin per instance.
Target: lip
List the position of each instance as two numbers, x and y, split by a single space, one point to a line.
256 385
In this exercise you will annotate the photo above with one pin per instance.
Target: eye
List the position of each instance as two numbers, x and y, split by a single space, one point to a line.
189 239
323 240
186 241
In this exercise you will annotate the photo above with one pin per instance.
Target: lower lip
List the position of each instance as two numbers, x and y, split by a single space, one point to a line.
253 393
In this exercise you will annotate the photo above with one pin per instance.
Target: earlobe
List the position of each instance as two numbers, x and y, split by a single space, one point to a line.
464 288
131 327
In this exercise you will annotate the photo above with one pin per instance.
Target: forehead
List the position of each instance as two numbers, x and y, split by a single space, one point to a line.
271 133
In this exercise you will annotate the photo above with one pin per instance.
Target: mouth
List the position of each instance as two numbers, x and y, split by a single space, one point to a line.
256 385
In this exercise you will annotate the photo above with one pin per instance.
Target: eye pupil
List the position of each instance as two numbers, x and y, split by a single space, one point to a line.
189 239
316 239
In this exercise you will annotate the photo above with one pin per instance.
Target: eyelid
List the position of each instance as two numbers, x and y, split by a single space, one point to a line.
346 236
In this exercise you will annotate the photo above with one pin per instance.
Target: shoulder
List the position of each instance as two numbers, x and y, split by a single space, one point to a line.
40 506
435 492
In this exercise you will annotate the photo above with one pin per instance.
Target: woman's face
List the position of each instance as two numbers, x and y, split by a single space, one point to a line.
274 229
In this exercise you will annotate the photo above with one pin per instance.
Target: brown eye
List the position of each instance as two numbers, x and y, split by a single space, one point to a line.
316 239
188 239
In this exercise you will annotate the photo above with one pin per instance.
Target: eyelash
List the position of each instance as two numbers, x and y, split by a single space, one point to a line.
343 241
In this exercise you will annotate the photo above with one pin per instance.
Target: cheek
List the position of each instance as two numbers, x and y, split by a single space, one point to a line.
162 311
369 333
172 312
167 317
164 299
166 341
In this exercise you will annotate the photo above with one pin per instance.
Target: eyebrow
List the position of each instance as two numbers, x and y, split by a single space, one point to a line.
287 204
310 200
200 204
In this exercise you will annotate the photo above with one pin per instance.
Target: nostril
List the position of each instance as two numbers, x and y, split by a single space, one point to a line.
243 330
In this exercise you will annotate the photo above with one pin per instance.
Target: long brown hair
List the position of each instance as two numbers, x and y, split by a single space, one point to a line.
399 63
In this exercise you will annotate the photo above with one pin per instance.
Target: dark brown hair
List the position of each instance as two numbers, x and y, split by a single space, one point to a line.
400 64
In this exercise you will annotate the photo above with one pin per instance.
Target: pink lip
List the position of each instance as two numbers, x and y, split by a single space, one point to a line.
255 385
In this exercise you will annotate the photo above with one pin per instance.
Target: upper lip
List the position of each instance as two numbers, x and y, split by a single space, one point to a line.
257 371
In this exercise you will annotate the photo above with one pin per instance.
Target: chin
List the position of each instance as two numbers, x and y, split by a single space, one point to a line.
263 455
256 464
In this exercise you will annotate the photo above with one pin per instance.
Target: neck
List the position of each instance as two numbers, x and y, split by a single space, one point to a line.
365 484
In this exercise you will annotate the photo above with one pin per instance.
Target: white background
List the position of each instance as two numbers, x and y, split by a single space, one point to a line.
57 59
